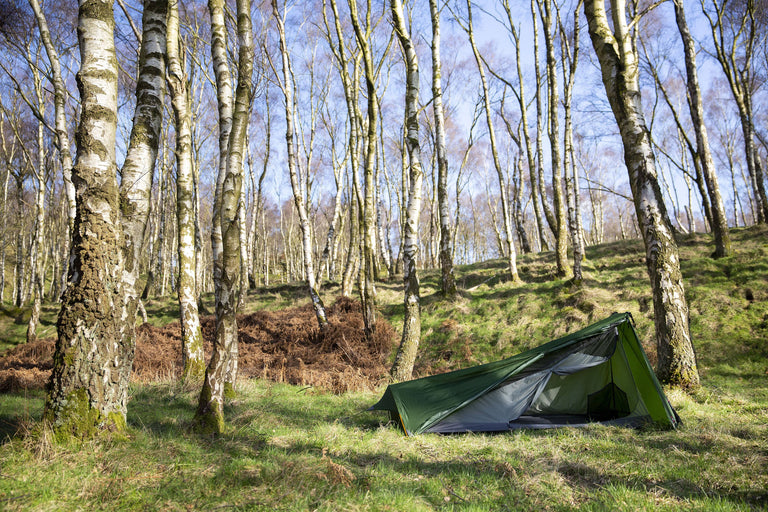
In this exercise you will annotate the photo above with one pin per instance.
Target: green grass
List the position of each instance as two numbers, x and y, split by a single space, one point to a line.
288 448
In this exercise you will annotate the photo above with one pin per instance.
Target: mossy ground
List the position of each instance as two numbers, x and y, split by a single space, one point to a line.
294 448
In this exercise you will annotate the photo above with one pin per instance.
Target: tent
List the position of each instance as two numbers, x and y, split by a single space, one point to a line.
597 374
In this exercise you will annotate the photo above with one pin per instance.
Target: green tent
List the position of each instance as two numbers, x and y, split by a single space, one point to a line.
598 374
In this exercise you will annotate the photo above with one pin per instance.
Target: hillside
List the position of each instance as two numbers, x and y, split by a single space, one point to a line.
298 448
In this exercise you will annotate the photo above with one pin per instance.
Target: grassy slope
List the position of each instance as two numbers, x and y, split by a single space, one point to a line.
294 449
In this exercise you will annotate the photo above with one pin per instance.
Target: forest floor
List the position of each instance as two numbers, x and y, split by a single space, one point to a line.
298 436
282 346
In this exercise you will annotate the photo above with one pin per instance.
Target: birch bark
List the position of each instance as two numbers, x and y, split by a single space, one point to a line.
553 107
59 102
447 280
618 62
85 392
221 373
368 292
405 358
719 220
509 241
191 333
735 58
287 86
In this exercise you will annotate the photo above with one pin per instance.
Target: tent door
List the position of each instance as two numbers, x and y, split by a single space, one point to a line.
608 403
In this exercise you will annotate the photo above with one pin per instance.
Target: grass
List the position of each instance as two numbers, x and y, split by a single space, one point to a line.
289 448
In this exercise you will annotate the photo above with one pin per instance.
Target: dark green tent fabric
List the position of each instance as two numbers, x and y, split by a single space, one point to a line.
599 373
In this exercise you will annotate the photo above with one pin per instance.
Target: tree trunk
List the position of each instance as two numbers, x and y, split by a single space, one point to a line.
737 67
529 151
511 253
287 86
351 263
406 353
447 280
676 359
86 392
561 226
548 213
368 292
37 245
570 52
191 333
59 102
221 373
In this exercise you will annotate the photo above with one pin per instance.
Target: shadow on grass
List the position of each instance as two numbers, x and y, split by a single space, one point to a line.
10 425
17 410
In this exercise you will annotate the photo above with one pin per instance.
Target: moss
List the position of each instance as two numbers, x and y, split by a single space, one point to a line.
96 9
229 391
91 145
209 419
76 418
194 371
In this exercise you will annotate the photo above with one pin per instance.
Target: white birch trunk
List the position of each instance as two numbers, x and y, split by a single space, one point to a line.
221 374
618 61
402 369
509 241
191 333
287 85
86 391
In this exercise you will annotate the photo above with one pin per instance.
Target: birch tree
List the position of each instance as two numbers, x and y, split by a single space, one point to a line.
509 241
736 37
719 220
553 129
519 92
447 281
368 230
221 373
299 187
59 103
570 52
191 333
95 345
618 61
402 368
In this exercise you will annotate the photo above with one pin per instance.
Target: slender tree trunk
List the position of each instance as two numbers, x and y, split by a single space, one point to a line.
350 266
406 353
737 67
548 213
156 266
225 107
331 239
242 212
368 292
570 52
517 182
447 280
529 151
222 368
139 166
618 61
561 226
191 333
38 242
59 101
509 240
287 86
3 212
18 294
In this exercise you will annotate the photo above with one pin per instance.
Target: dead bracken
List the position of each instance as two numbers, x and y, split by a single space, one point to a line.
282 346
